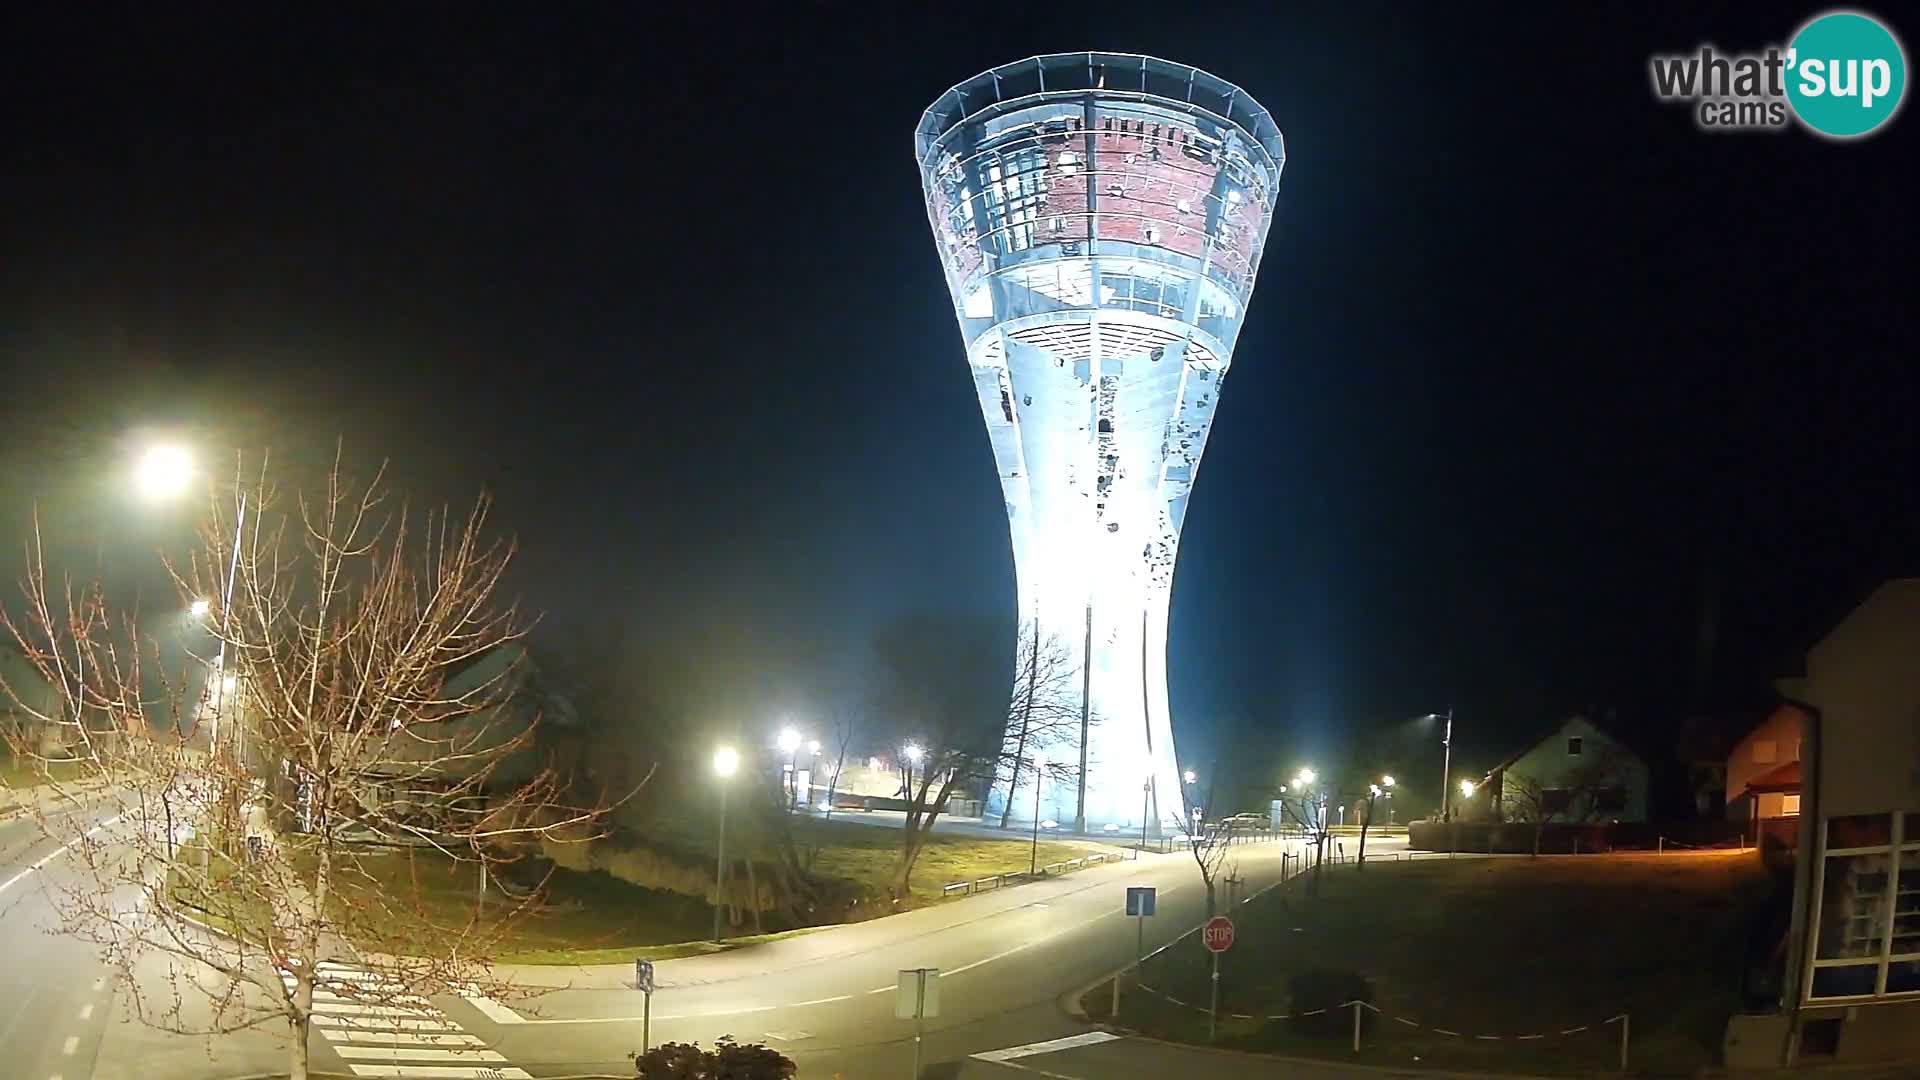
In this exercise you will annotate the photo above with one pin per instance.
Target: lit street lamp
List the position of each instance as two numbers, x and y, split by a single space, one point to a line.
1446 761
789 744
726 761
1039 773
163 471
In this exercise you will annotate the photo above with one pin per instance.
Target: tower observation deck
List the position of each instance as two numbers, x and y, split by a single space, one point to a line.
1100 217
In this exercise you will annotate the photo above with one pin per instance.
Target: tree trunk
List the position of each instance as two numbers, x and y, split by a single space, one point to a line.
1086 721
1365 823
1026 726
1538 828
297 1051
753 897
1213 907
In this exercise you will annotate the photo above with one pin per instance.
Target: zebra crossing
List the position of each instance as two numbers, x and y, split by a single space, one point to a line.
389 1034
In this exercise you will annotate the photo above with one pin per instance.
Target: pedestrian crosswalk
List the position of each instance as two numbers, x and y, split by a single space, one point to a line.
378 1031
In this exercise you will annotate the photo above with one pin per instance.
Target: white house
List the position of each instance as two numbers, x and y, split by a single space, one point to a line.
1583 773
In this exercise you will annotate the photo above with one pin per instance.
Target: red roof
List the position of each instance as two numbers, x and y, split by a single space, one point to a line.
1780 779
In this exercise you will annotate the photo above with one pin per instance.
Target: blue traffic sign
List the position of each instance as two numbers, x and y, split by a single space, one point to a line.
1140 900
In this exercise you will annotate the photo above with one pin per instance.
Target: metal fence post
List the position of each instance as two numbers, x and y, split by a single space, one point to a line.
1625 1022
1356 1026
1213 1007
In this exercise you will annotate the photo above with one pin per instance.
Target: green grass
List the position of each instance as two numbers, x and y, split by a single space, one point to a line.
864 856
1486 947
417 895
595 918
18 773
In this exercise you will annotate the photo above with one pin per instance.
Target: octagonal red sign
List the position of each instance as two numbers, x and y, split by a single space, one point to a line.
1217 935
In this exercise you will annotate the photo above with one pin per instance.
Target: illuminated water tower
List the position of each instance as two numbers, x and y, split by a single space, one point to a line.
1101 218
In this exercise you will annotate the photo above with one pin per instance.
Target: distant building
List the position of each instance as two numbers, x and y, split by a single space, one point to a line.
1852 949
1585 773
1763 775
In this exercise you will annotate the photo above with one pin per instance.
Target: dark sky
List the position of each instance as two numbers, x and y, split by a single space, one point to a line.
1533 367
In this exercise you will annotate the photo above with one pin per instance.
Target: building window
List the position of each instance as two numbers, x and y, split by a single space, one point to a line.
1789 805
1556 801
1610 800
1867 923
1573 746
1763 751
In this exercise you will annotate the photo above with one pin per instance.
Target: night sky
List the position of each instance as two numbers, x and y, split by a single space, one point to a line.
1538 380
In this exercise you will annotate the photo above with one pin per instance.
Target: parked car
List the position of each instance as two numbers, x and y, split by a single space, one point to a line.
1248 823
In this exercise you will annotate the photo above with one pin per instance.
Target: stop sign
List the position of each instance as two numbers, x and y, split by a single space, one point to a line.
1217 935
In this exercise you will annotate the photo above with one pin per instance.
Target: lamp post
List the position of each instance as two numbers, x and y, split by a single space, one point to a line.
1446 763
1033 860
789 744
163 472
725 763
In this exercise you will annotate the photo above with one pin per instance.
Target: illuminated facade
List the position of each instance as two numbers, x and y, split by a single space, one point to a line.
1101 218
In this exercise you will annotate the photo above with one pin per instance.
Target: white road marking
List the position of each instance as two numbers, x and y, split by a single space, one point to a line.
417 1053
86 1011
348 1008
824 1001
73 1043
1090 1038
492 1009
382 1023
406 1038
444 1071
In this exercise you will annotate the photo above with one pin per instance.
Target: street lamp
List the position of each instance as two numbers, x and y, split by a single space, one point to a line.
1446 761
726 761
1189 776
789 744
163 471
1467 788
1039 774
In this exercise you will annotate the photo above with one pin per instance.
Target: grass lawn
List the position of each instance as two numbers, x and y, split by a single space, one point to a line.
17 773
1501 946
864 856
595 918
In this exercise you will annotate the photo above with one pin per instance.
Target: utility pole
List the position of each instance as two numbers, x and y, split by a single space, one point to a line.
1446 770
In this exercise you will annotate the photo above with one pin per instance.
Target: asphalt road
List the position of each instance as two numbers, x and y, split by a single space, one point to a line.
824 999
827 1000
55 994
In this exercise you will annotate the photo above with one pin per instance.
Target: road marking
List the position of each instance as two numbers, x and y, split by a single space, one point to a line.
86 1011
416 1053
407 1038
349 1008
385 1023
1088 1038
444 1071
73 1043
824 1001
493 1010
54 854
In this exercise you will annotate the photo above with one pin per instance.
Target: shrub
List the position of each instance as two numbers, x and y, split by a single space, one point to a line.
728 1060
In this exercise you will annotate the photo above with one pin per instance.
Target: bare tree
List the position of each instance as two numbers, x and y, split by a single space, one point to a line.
1209 842
1044 709
944 687
358 701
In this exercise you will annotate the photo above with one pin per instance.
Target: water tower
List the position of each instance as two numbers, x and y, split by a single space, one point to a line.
1101 218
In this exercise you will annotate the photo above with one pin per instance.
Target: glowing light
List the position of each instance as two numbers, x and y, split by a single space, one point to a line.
726 761
1467 788
789 740
1189 776
199 608
1305 778
1386 781
913 752
163 471
813 747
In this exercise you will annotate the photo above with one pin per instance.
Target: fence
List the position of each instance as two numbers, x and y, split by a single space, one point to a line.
999 881
1565 838
1294 865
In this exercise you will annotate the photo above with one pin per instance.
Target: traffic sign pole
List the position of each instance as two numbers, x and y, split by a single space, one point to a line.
1213 1009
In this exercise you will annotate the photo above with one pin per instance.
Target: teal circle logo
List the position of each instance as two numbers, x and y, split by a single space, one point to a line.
1846 74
